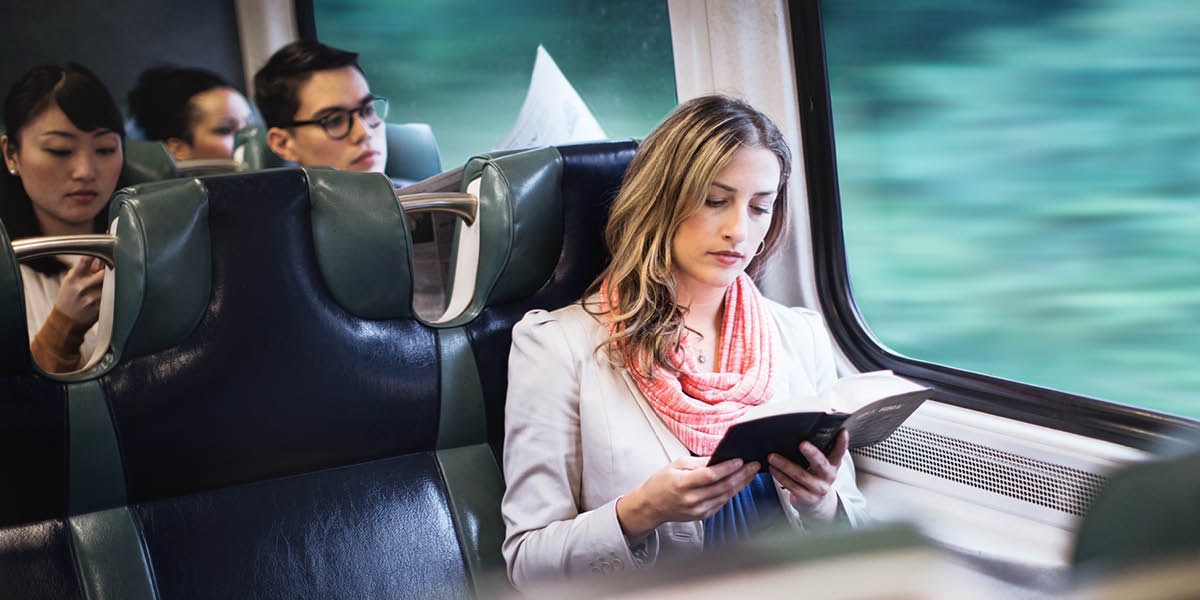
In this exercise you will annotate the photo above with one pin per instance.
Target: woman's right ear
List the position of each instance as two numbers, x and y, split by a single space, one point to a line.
10 155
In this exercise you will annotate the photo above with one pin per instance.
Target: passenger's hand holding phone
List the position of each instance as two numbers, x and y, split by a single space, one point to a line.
79 295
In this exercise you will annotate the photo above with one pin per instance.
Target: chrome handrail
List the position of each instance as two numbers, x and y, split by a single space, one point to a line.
199 167
97 245
103 246
465 206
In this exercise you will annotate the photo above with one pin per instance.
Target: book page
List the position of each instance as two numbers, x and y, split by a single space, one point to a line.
853 392
553 112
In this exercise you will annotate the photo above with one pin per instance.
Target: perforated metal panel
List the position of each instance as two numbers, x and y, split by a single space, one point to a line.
1051 485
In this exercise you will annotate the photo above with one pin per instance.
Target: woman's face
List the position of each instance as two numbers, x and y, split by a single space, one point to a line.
69 174
714 245
217 114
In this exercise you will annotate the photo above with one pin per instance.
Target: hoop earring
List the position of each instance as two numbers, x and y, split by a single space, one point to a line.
761 246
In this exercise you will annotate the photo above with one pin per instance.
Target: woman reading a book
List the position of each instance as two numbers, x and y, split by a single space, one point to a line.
615 403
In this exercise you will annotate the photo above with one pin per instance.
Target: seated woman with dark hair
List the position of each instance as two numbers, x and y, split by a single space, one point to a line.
193 112
616 402
63 152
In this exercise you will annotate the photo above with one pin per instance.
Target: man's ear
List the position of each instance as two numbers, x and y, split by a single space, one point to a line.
178 148
280 141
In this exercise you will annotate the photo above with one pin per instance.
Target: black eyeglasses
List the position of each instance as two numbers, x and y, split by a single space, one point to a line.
338 122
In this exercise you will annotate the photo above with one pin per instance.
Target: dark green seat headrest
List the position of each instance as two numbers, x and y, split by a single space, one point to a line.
164 249
1146 515
362 242
145 161
163 264
412 152
519 225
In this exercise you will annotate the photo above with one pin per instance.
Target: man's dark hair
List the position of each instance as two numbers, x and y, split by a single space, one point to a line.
277 84
161 101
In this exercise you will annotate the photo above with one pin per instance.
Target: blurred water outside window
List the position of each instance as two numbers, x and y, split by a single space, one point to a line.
1020 188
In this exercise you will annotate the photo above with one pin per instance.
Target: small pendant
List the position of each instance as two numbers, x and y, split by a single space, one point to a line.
700 358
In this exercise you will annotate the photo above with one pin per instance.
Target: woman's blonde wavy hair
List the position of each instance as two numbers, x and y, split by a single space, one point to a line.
667 182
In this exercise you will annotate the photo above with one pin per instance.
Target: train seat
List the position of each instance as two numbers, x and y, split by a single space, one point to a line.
412 151
277 413
1144 516
541 222
35 535
43 425
145 161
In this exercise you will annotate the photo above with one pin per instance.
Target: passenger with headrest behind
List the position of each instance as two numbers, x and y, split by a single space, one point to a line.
193 112
616 402
319 109
63 151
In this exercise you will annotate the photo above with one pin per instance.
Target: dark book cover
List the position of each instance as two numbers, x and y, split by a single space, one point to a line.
782 434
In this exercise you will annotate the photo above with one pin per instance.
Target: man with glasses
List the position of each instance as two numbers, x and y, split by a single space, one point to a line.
319 110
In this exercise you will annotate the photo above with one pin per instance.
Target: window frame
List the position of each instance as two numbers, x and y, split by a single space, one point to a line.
1109 421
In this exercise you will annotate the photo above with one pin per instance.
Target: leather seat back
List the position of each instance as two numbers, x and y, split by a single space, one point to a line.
35 539
145 161
541 221
1145 516
264 328
279 410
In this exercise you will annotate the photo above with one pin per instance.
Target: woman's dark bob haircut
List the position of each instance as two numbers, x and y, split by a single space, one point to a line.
86 102
160 103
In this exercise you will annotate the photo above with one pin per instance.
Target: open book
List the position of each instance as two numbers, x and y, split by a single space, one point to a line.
869 406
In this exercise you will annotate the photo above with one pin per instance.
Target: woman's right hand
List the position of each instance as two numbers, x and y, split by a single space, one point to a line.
79 295
685 490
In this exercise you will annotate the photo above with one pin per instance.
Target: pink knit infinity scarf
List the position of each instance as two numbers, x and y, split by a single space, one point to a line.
698 407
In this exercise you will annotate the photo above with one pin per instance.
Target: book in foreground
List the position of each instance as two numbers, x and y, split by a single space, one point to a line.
884 400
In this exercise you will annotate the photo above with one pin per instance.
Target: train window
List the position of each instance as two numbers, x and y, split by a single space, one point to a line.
464 66
1020 188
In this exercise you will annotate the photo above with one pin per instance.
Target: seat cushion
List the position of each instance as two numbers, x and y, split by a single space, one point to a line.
36 562
377 530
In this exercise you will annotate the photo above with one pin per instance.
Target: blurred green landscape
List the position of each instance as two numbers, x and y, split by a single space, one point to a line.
1020 185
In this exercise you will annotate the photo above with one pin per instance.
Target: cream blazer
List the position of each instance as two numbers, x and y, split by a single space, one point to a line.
579 434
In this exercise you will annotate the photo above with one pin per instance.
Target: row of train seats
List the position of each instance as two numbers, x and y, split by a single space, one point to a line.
273 420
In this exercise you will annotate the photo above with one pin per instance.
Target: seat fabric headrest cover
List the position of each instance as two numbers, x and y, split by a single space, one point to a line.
362 243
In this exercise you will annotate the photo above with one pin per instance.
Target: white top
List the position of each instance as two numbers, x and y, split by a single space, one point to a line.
40 292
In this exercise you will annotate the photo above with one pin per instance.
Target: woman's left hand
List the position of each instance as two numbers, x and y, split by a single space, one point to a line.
811 489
